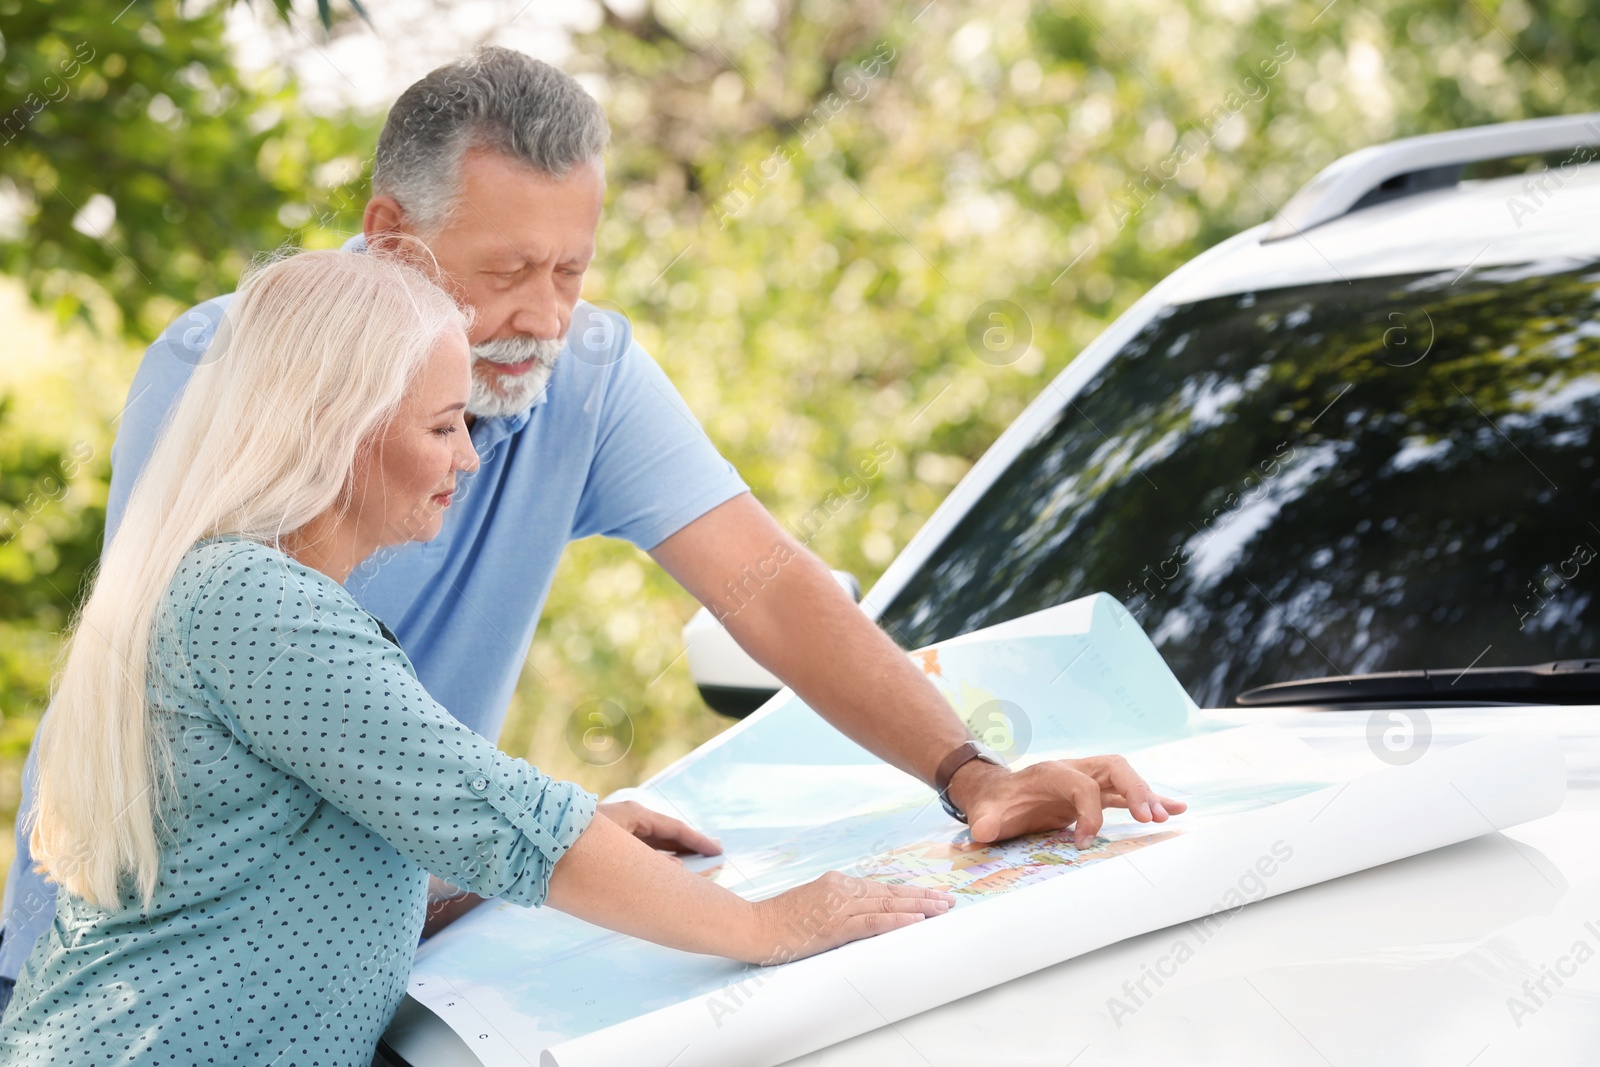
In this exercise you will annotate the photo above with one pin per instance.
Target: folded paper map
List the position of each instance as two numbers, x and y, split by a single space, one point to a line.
790 798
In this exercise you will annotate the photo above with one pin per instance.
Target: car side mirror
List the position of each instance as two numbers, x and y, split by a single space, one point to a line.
730 682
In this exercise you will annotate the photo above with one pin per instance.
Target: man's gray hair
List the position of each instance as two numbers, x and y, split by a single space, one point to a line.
498 99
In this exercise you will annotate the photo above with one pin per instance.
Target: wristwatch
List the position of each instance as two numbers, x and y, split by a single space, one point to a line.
958 758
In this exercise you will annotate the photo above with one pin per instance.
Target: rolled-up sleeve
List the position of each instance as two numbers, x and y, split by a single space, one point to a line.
305 678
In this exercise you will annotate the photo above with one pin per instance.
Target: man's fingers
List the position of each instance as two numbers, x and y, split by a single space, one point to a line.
1132 789
985 828
1057 793
1084 792
1123 788
1170 806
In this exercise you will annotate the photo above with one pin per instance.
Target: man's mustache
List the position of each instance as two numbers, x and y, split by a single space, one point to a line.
520 349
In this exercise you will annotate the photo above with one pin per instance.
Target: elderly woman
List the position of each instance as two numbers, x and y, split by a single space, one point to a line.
242 785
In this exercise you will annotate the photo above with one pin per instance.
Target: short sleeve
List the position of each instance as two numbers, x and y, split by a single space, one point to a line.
304 677
654 469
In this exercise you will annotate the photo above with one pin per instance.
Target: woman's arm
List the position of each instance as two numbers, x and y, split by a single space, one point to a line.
612 879
303 677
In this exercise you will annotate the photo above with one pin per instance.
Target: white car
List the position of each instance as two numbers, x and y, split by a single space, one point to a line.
1341 467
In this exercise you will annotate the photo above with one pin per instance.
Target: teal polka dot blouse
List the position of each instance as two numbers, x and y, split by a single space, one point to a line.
317 784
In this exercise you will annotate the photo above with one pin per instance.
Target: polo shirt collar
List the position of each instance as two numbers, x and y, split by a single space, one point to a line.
487 432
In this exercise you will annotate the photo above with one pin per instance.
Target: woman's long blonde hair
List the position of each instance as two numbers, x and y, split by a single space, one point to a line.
311 358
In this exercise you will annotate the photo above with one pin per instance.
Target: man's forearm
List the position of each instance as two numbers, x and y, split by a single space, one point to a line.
849 670
784 608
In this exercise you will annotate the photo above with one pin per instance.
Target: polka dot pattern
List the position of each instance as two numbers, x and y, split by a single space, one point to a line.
316 785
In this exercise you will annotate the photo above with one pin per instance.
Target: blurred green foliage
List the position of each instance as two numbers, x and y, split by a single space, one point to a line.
808 202
51 517
142 166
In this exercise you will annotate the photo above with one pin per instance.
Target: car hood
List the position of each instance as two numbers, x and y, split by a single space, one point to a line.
1485 952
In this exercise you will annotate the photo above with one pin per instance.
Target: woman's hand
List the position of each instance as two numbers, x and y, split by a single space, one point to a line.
659 831
832 910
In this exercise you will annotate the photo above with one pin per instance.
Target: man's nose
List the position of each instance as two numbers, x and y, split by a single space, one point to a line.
538 312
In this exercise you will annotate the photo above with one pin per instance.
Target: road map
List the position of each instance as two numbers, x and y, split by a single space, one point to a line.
969 869
948 860
790 798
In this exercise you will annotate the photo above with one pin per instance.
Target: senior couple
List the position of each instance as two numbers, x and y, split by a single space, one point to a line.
259 749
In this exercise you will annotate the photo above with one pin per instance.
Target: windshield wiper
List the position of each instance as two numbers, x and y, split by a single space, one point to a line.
1567 681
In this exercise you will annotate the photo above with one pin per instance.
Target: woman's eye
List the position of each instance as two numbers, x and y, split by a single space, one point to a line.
442 430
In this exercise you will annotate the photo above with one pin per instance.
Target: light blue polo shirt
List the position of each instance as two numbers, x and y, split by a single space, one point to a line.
608 448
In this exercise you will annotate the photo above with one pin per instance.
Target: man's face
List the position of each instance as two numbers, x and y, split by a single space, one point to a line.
516 248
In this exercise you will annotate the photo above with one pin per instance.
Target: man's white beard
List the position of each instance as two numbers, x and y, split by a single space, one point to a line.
495 394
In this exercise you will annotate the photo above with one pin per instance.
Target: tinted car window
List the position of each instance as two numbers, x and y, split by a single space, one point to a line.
1381 474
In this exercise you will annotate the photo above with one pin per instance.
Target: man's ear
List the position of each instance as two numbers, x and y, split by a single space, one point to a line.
384 215
389 232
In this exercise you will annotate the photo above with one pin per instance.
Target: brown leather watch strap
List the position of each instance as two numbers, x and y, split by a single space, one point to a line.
958 757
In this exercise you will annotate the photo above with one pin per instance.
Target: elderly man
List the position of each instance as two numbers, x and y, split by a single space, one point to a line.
494 163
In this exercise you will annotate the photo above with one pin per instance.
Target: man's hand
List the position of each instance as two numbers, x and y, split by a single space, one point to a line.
1001 803
659 831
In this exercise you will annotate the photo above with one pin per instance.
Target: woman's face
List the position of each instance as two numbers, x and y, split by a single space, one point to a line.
402 485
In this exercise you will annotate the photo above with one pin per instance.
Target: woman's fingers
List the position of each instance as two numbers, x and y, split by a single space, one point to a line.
904 906
659 831
871 924
837 908
895 889
888 896
884 907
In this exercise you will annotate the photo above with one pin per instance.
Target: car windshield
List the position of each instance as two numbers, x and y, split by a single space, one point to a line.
1371 475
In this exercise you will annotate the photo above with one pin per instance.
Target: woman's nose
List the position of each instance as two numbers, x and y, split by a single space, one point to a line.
467 461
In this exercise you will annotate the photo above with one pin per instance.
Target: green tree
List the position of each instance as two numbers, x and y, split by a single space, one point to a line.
809 205
141 166
806 247
52 512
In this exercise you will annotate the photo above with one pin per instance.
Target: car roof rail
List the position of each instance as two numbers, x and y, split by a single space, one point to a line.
1417 164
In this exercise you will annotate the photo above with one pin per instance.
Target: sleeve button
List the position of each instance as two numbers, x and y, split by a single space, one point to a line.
479 784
